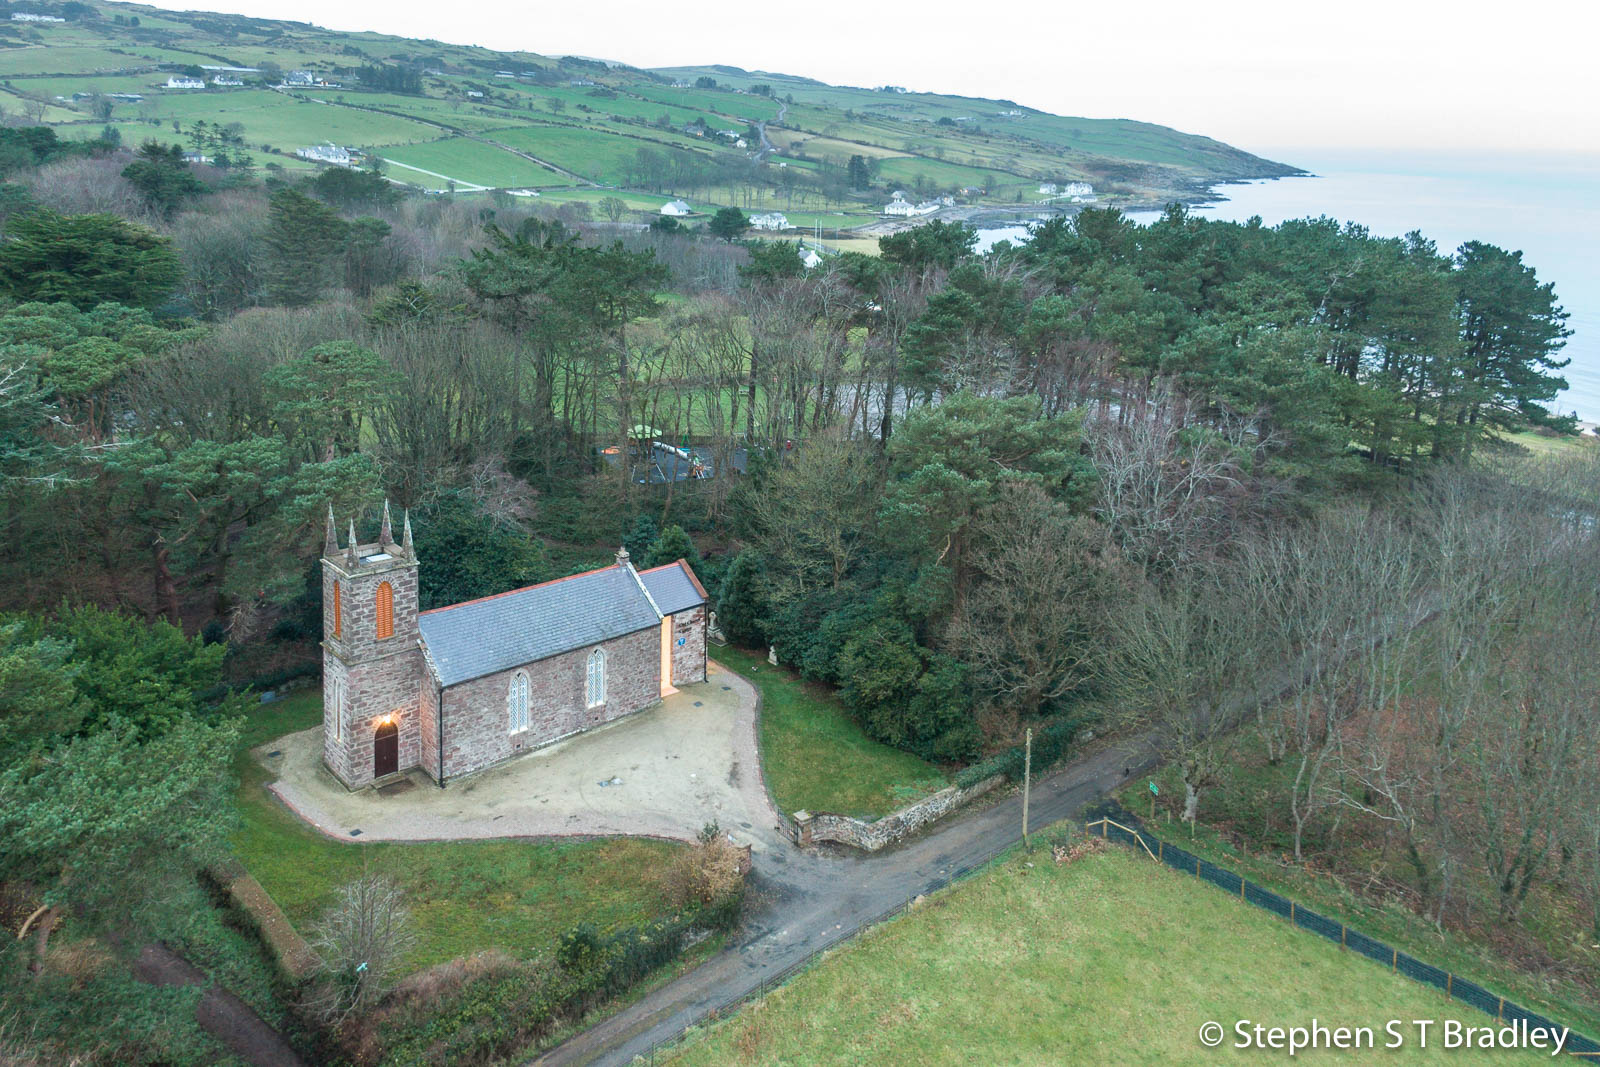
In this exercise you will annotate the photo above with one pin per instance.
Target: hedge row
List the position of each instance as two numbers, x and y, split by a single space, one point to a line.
1051 744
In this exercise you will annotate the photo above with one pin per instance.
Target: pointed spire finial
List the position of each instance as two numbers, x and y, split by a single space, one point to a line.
330 540
386 534
350 549
405 536
622 556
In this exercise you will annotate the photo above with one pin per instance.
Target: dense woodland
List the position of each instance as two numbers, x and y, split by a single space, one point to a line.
1230 485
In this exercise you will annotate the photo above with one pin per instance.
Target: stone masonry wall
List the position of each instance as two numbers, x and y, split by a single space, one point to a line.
871 836
689 658
476 719
389 685
428 723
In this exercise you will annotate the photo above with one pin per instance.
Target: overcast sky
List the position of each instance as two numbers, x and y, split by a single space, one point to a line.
1261 74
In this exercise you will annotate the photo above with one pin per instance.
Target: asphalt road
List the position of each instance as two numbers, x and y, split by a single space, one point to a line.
805 900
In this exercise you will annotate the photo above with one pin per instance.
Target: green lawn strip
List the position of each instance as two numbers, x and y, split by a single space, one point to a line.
464 896
1109 959
815 755
1390 921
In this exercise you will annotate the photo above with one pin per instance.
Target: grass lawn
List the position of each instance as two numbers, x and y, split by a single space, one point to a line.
517 896
814 754
1109 959
1541 445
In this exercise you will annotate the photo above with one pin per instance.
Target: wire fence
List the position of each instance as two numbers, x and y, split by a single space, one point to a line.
1453 986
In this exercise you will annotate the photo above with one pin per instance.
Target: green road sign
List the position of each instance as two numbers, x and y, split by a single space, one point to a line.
1153 788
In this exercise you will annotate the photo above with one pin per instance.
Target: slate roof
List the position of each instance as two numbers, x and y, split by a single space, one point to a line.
673 587
479 637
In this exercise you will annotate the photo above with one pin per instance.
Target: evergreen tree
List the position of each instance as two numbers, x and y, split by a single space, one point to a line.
303 238
86 260
673 544
742 606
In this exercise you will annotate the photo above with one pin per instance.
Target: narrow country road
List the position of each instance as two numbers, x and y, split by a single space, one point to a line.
767 147
804 900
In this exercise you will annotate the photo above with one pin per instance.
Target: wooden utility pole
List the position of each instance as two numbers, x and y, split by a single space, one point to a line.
1027 781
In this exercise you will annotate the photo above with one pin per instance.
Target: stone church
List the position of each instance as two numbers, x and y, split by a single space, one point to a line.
457 689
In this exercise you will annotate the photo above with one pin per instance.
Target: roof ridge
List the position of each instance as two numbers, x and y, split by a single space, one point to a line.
522 589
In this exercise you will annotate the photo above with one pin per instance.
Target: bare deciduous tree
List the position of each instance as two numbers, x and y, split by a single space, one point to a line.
360 941
1034 625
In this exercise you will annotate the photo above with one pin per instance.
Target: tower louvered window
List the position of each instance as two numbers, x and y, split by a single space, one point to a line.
517 702
338 611
385 611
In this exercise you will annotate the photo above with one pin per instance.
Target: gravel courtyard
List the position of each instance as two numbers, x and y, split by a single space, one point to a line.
665 772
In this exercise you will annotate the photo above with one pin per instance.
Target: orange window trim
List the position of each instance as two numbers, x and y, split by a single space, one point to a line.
338 612
385 611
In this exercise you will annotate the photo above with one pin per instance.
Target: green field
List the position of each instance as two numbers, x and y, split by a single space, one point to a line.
600 157
815 755
469 161
1108 959
516 896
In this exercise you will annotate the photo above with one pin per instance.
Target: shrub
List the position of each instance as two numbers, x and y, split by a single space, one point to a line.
707 872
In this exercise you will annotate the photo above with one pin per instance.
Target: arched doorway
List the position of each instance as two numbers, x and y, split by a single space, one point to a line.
385 749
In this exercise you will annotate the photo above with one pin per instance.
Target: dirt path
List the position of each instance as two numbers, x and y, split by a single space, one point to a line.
219 1013
804 901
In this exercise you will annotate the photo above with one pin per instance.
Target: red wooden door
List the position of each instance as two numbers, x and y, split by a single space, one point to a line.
385 750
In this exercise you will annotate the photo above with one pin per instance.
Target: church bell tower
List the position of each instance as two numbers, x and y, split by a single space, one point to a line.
372 667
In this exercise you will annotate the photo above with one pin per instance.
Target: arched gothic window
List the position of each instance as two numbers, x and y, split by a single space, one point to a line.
595 691
338 709
517 702
385 611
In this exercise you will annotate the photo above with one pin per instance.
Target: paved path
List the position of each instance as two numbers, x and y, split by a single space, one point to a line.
665 772
803 901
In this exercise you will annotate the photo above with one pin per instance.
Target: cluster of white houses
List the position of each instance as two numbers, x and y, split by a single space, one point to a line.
900 207
1077 192
454 690
328 152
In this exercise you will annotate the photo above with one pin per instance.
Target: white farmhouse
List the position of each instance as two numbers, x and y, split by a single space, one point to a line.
180 81
325 153
224 80
1049 189
809 259
901 208
772 220
676 209
1077 189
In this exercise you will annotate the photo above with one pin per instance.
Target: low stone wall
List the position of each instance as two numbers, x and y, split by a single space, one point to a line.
812 827
290 950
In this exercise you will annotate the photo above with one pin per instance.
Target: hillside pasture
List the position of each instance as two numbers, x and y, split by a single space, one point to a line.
469 161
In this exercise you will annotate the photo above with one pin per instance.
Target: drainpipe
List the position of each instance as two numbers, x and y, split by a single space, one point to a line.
438 714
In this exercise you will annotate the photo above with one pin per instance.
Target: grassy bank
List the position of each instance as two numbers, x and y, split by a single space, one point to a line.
815 755
1110 959
516 896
